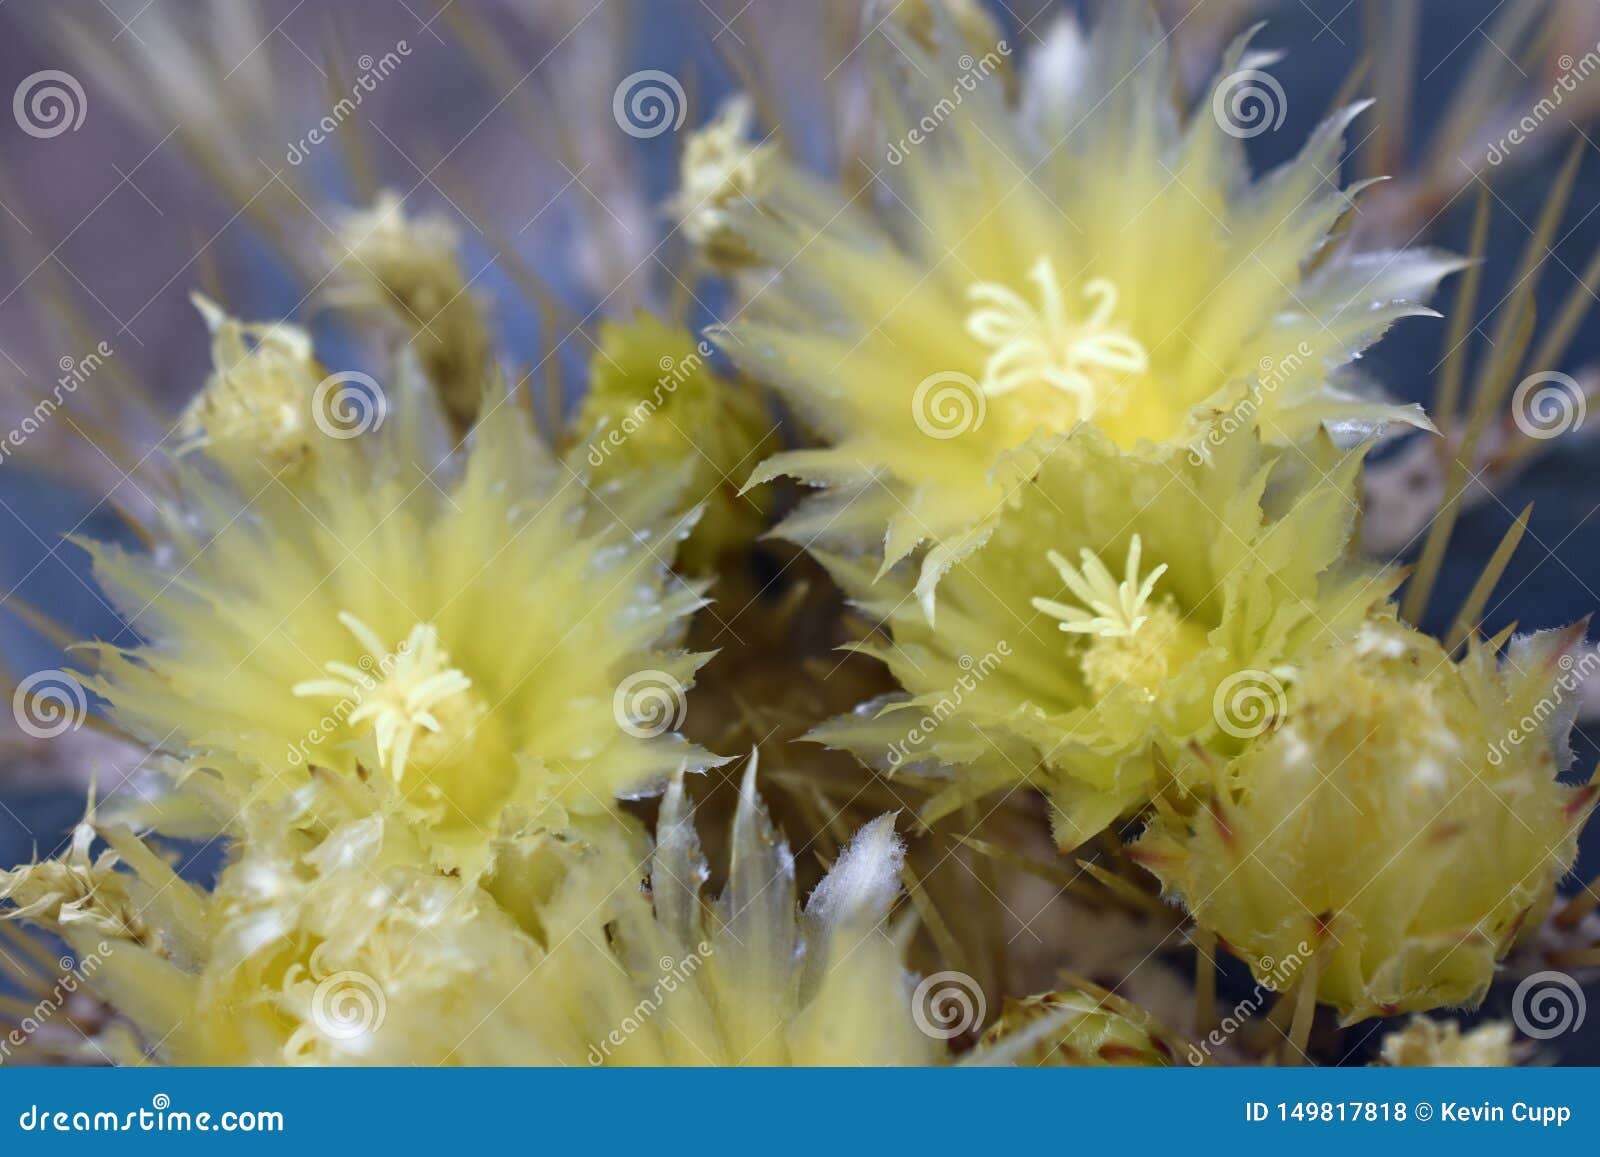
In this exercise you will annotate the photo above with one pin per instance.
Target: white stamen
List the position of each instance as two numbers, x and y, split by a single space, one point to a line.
1115 610
1032 345
400 694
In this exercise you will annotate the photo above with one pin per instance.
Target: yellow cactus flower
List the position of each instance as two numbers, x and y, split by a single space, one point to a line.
256 410
409 268
655 401
478 627
345 948
1236 571
1077 1027
1407 816
1126 273
1426 1043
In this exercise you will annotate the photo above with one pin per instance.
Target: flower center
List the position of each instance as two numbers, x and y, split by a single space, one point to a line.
1131 639
1079 357
419 707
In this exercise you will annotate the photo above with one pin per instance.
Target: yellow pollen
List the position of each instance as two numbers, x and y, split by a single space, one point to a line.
1142 661
1032 345
417 703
